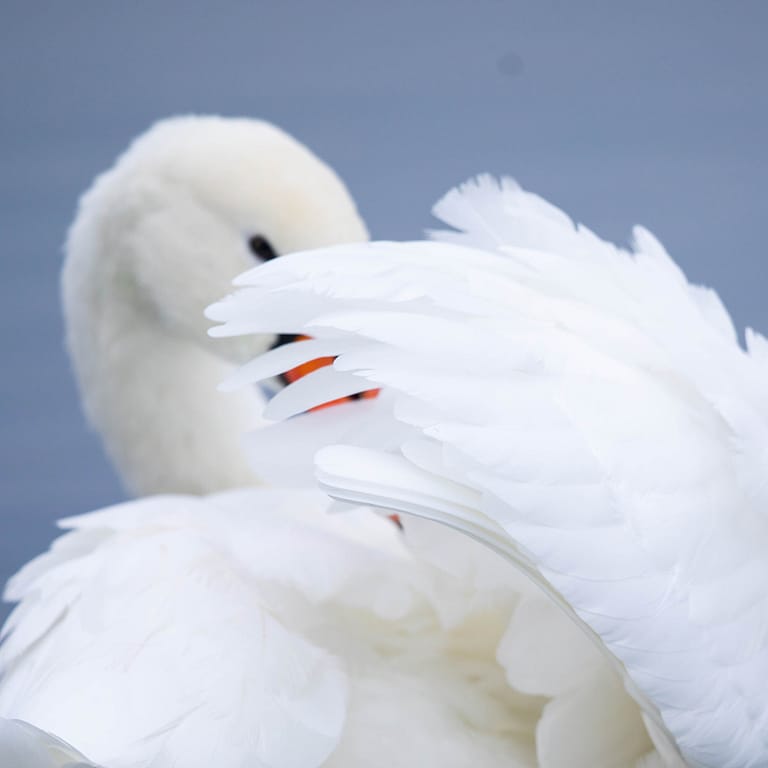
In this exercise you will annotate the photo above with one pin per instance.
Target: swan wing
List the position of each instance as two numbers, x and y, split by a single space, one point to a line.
581 408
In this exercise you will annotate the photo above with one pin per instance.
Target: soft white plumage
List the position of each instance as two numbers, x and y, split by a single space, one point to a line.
111 611
156 239
248 628
582 409
24 746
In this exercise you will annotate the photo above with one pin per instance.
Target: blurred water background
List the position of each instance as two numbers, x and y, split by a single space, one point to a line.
622 113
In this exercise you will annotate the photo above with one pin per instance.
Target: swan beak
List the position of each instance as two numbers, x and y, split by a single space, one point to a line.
294 374
312 365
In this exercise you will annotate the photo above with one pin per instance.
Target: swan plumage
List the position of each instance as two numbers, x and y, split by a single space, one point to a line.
581 408
253 627
219 625
158 237
249 627
155 240
24 746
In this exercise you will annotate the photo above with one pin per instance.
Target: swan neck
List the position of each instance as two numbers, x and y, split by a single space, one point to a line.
151 395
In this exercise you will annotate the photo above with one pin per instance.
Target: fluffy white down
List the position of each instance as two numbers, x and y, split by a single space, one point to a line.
253 628
581 408
24 746
156 239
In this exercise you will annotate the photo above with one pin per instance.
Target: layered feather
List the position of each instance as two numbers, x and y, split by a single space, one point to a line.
581 408
254 629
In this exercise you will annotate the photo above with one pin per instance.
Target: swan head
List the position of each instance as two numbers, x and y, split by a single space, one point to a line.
192 203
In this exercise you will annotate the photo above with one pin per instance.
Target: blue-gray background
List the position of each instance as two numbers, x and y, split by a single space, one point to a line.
621 112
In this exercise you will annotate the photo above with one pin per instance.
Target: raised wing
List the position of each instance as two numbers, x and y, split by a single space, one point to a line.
584 410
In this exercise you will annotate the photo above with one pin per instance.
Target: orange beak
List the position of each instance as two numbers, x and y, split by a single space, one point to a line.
320 362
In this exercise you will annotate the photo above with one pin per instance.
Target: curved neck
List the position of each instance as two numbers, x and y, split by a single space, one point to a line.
151 395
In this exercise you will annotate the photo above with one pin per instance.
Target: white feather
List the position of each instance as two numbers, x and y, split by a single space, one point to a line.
24 746
592 416
251 628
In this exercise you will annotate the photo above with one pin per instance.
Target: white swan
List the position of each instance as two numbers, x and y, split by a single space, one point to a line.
247 627
583 410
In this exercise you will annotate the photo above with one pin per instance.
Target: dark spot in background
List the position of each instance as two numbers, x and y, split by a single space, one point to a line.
510 65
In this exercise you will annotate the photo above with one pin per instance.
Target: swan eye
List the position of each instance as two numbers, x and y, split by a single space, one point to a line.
262 248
